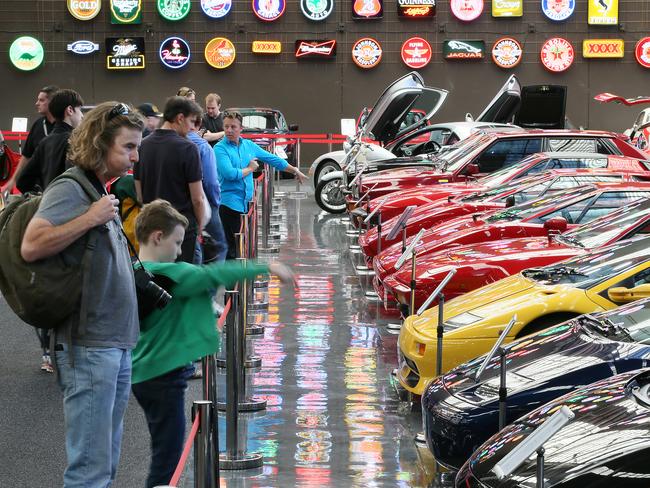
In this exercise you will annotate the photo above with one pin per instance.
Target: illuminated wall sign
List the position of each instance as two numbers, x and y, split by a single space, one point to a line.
367 9
84 9
366 53
125 53
308 49
220 53
558 10
269 10
416 9
603 12
173 10
466 10
216 9
267 47
174 52
463 49
26 53
507 8
83 47
126 11
603 48
507 52
416 52
557 54
642 52
316 9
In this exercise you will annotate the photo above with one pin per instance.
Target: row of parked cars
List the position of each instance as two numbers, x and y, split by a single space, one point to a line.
519 258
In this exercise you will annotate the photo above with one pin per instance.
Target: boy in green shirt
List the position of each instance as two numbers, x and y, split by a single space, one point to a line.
172 337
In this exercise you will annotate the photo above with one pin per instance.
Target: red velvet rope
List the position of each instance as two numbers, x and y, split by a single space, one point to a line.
186 452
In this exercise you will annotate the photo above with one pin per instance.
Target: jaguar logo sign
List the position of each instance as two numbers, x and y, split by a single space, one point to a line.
416 52
83 47
603 48
84 9
125 53
267 47
642 52
507 52
366 53
557 54
315 49
463 49
220 53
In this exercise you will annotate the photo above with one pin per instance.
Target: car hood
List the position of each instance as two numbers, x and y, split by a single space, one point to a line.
393 105
425 195
610 422
536 106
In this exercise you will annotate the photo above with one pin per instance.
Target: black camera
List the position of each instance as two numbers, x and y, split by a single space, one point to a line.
150 295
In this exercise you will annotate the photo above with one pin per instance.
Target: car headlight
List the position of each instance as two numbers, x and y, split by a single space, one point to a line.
464 318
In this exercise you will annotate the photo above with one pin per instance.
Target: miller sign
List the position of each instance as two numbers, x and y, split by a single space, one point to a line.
315 49
125 53
267 47
84 9
603 48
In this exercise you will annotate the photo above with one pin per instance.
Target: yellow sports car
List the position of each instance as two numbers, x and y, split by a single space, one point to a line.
540 297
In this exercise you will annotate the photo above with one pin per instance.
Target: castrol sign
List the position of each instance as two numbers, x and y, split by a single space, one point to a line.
84 9
603 48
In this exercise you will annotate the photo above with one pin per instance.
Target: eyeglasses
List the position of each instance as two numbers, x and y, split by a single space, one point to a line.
119 109
233 115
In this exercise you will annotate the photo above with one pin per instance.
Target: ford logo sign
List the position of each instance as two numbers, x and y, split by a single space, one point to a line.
83 47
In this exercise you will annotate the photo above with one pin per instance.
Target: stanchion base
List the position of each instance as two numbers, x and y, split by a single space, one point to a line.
269 250
252 362
261 284
362 269
297 195
355 248
258 306
255 330
245 461
420 438
278 196
250 405
372 296
274 236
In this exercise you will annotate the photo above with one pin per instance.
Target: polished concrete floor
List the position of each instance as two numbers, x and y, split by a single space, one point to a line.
333 418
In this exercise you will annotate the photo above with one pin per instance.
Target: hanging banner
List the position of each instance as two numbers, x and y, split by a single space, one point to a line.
454 49
315 49
82 47
367 9
416 9
642 52
466 10
507 8
174 10
266 47
84 9
316 10
216 9
602 12
125 53
366 53
126 11
558 10
174 52
603 48
220 53
507 52
557 54
269 10
26 53
416 52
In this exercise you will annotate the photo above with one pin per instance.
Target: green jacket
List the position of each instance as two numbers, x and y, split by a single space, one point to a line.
185 329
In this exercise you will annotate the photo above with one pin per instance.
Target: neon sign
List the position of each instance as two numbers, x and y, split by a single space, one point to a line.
220 53
416 9
269 10
26 53
367 9
366 53
416 52
174 52
125 53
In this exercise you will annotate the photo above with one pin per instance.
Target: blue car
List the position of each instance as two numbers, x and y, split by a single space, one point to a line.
605 445
459 413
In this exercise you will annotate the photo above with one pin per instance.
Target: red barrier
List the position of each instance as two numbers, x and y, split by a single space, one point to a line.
186 452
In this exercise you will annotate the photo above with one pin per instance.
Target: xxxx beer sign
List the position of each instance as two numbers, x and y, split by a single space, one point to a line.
416 9
603 12
603 48
267 47
126 11
84 9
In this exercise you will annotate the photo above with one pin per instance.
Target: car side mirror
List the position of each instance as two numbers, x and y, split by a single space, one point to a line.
472 169
510 201
556 225
293 127
620 294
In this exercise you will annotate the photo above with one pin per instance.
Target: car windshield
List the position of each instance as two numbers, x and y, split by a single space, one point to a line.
524 182
630 323
500 176
587 271
262 120
533 207
456 156
601 231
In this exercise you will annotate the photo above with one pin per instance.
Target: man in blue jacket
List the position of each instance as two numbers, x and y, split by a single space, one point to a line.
237 159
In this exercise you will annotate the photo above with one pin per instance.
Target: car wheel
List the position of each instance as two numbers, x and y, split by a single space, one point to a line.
325 167
545 322
329 196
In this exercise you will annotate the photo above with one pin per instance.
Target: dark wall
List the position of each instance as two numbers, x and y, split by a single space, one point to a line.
316 95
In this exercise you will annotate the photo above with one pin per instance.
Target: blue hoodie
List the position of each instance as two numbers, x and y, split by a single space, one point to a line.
237 190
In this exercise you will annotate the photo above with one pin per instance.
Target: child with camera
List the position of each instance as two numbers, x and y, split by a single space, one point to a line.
177 325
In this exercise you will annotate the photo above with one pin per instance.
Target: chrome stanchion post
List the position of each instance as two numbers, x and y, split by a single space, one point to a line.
540 467
413 268
440 332
403 237
379 232
204 465
266 207
503 390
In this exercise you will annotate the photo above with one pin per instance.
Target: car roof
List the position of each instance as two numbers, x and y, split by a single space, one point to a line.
554 132
252 109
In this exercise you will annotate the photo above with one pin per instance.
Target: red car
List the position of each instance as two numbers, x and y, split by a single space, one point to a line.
577 207
486 152
479 265
508 194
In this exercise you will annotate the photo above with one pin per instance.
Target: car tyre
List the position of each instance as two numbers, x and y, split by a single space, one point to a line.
325 167
329 196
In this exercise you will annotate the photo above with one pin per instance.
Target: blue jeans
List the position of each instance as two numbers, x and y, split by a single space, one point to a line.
95 396
163 401
215 229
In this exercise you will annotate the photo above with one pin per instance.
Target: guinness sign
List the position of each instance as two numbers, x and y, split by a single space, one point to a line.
416 9
306 49
125 53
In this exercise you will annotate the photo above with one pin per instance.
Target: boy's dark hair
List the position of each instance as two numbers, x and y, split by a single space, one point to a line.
158 215
63 99
180 105
49 90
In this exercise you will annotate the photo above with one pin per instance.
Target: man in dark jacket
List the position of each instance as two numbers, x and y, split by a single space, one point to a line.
49 159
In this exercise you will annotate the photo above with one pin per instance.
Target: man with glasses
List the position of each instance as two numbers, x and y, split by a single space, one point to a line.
170 168
237 159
